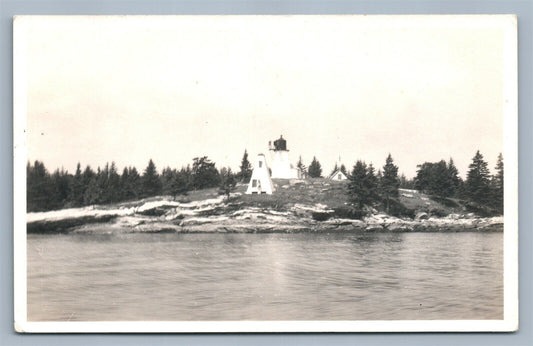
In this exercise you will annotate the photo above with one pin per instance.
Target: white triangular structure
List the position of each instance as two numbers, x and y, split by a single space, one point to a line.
338 176
260 181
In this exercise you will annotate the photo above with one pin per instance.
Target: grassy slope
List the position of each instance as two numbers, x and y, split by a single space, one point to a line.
310 192
333 195
418 201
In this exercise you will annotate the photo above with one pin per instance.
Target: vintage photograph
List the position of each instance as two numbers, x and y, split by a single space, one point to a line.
265 173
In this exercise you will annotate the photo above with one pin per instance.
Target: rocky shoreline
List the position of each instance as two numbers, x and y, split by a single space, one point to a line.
216 216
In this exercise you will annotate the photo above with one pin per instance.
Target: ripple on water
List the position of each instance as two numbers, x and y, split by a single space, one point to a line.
302 276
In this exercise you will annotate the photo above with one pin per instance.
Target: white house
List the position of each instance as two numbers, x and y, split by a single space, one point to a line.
281 165
338 176
260 181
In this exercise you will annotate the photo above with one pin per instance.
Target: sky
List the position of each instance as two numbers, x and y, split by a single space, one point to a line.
127 89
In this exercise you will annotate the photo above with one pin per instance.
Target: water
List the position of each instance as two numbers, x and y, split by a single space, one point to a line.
303 276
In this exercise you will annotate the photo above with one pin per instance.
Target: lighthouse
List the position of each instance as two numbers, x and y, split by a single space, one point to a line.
281 165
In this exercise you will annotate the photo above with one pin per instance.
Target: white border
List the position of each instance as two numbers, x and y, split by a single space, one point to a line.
19 171
510 118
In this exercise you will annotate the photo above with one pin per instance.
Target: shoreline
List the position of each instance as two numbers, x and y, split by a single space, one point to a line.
216 216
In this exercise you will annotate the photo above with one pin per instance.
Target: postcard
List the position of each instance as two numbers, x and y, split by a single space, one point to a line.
302 173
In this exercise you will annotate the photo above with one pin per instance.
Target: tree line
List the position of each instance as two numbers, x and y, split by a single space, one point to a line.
60 189
439 179
366 187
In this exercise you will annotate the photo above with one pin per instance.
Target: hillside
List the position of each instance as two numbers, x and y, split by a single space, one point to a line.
296 206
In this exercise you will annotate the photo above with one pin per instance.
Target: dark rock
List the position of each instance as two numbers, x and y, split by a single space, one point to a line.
65 225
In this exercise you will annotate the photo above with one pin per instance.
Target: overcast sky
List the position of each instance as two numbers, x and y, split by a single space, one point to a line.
127 89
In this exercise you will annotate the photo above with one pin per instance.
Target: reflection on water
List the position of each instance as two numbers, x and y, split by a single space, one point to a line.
302 276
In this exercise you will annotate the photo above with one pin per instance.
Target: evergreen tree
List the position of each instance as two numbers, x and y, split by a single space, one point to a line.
477 184
93 193
124 184
90 191
204 173
60 189
181 183
77 188
113 185
453 178
356 186
246 168
438 178
131 185
363 185
371 184
424 178
315 169
379 175
88 174
497 184
167 180
302 169
102 183
38 187
151 184
442 185
389 182
227 182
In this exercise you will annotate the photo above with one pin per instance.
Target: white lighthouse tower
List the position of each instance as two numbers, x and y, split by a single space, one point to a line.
281 166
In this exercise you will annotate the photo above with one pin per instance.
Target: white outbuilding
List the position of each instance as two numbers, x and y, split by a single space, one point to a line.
338 176
260 181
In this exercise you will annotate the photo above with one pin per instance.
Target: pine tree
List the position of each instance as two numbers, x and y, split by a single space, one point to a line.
389 182
438 178
363 185
477 184
38 187
204 173
302 169
371 184
246 168
60 189
453 178
167 179
131 184
151 184
93 192
77 188
356 187
441 183
227 182
181 183
315 169
113 184
498 184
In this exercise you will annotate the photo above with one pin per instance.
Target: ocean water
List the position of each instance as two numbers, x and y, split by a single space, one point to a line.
304 276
